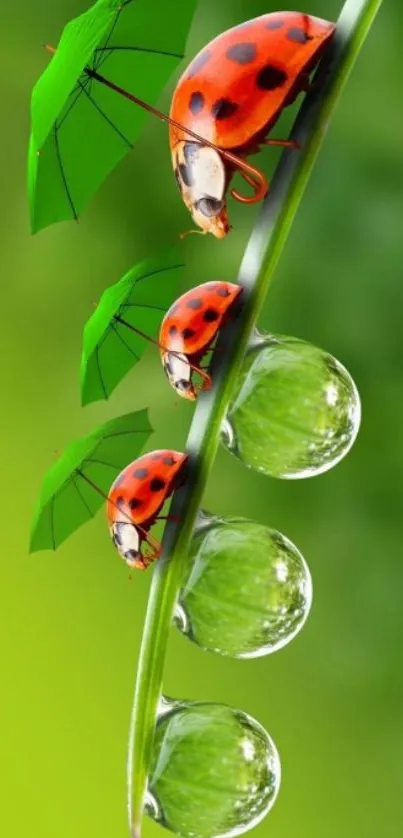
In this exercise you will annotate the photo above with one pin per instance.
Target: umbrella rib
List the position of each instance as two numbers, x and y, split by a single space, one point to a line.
104 115
112 29
126 345
140 49
141 305
78 90
66 186
160 271
89 510
99 462
100 373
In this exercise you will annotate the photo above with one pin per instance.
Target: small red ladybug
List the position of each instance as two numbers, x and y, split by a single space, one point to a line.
188 330
135 500
229 98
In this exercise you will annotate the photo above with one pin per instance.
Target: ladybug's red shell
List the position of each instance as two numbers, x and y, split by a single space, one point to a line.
235 88
192 322
143 487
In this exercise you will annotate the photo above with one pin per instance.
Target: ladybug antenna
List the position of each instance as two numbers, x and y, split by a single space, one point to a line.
188 233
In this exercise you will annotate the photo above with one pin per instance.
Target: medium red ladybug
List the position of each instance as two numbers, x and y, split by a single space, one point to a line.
135 500
188 330
229 98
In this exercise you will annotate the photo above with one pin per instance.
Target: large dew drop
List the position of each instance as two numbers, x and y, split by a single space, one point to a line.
214 771
247 590
297 410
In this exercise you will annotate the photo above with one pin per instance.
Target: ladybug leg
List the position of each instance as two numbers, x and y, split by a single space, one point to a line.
204 375
283 143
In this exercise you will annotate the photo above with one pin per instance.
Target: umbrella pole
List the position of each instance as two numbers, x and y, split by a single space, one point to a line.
256 178
147 536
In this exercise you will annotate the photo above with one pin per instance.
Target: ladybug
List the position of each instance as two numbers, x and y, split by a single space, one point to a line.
135 500
229 98
188 330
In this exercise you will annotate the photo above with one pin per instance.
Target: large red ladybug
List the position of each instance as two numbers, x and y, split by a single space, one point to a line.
229 98
188 330
135 500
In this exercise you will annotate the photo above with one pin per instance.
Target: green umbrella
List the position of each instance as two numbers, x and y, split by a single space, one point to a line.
80 126
129 313
78 483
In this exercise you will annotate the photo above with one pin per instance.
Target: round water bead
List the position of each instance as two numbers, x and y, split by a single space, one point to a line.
297 410
214 771
247 590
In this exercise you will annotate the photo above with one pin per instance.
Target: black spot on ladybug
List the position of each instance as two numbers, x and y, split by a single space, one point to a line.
120 501
173 330
198 63
157 484
224 108
189 151
196 102
195 303
222 292
188 333
186 174
242 53
295 33
269 78
210 315
134 503
168 461
275 24
140 473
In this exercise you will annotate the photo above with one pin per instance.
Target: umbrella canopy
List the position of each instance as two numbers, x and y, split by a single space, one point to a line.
138 301
78 483
81 128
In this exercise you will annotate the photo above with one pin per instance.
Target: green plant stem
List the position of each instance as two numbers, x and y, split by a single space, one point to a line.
256 272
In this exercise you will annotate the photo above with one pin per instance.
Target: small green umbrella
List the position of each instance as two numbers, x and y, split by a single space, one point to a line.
129 313
80 126
78 483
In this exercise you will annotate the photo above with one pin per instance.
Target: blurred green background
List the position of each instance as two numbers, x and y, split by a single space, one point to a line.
70 621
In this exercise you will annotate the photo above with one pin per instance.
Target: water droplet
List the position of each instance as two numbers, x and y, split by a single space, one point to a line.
297 410
247 591
190 793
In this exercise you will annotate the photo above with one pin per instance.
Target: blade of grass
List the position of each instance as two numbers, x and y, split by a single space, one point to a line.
256 272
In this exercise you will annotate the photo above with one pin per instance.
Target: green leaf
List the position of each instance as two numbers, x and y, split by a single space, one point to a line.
80 128
139 300
77 485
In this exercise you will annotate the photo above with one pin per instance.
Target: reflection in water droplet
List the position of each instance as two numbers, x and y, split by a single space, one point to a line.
247 591
204 781
297 410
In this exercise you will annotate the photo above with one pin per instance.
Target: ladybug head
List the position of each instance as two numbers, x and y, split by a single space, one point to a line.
126 539
202 180
179 374
211 215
